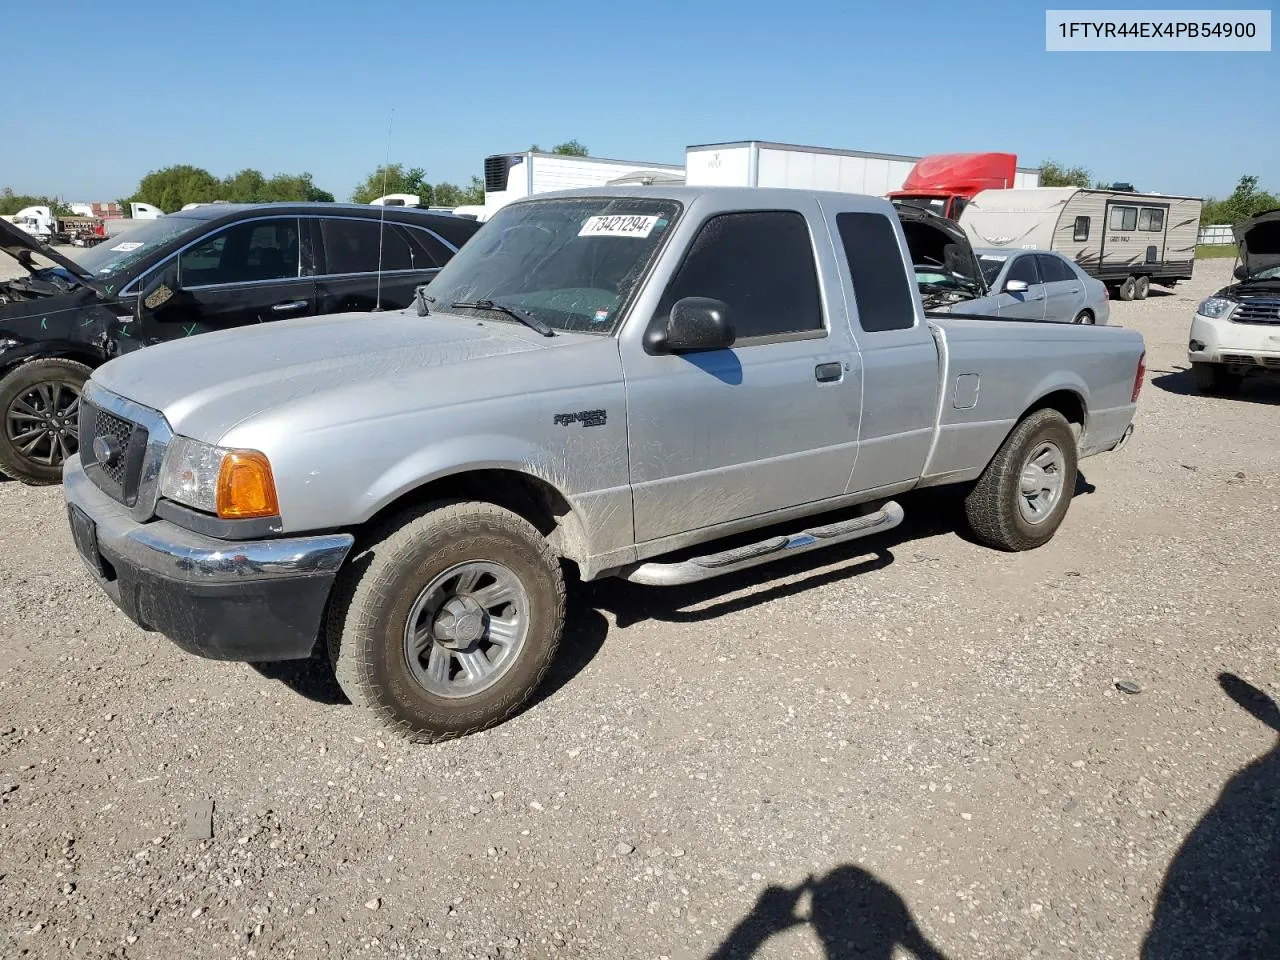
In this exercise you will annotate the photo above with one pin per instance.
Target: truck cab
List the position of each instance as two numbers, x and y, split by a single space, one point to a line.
944 183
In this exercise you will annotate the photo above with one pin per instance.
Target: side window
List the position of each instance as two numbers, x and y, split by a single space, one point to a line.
255 251
1124 218
352 246
881 288
1081 231
1024 269
1054 269
1151 219
426 248
761 265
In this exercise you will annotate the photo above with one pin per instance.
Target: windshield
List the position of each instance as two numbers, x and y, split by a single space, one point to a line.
991 265
936 205
134 243
571 263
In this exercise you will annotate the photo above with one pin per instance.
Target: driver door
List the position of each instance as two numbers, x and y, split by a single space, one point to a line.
244 273
1028 305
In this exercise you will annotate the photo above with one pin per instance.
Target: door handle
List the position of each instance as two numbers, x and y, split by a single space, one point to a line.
290 305
828 372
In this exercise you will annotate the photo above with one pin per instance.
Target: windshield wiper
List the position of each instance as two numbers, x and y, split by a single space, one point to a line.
528 319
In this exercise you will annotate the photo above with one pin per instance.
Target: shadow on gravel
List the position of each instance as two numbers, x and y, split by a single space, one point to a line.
312 678
1221 894
854 914
1262 389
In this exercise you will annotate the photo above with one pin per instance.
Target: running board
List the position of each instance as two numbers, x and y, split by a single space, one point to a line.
740 558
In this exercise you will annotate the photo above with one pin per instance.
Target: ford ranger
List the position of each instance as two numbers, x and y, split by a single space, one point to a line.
610 382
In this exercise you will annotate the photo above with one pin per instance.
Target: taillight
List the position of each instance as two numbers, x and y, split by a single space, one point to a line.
1140 376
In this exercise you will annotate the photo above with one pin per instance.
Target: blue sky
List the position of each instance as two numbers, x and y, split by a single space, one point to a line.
288 86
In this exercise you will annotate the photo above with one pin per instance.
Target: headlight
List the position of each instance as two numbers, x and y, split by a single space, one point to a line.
234 484
1215 308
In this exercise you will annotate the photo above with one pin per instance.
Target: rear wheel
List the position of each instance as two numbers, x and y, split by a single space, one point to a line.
1022 497
1141 288
40 406
1215 379
1127 289
1084 316
448 621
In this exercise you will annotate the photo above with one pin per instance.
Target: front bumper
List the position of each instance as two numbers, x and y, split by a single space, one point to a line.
255 600
1242 344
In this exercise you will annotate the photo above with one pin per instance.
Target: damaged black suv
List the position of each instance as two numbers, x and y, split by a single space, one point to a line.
213 267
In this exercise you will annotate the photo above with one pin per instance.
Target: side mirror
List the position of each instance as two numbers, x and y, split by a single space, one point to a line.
695 323
1241 272
1016 286
152 295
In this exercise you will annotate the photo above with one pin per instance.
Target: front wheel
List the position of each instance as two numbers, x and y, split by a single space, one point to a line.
1022 497
448 621
40 404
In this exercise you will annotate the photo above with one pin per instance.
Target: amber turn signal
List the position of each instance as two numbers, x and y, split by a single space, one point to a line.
246 488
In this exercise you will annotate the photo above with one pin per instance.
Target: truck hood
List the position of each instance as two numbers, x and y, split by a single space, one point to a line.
21 246
207 384
1259 242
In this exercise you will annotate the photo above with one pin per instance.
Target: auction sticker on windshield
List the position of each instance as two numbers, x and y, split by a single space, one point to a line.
126 247
618 226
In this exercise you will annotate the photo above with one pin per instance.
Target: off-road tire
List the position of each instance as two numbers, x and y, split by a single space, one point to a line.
1141 288
991 507
1127 289
1215 379
17 381
377 588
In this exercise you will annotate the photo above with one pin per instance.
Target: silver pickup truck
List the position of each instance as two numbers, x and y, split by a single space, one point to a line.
615 382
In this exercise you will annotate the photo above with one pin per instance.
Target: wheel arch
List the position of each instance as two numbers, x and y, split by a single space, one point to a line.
80 353
1068 401
534 498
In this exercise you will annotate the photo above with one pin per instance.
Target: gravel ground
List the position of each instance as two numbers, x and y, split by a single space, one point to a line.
913 741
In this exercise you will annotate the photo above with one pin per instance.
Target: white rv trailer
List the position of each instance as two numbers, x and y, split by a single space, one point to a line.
513 176
1125 239
759 163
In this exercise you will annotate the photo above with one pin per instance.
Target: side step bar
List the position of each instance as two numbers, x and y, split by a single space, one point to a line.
729 561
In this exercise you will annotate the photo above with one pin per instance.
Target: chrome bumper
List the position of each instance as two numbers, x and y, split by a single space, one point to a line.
226 599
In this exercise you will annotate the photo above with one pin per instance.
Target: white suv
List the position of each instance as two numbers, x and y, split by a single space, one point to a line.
1236 331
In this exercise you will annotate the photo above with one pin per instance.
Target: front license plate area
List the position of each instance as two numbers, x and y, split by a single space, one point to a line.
85 533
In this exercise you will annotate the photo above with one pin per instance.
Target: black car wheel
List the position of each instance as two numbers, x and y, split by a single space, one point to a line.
40 404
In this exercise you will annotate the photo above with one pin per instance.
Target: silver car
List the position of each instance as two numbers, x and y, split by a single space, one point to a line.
1038 285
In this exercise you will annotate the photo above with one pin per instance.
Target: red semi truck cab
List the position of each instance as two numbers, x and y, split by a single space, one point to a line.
944 182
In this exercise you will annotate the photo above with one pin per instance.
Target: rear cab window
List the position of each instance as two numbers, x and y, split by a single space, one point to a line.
882 290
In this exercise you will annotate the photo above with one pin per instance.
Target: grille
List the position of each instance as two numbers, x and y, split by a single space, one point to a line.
109 425
1257 311
1238 358
120 478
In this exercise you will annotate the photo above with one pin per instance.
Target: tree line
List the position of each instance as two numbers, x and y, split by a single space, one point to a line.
1247 200
173 187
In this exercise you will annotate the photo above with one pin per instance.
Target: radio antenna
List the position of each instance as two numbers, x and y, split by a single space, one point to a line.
382 216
